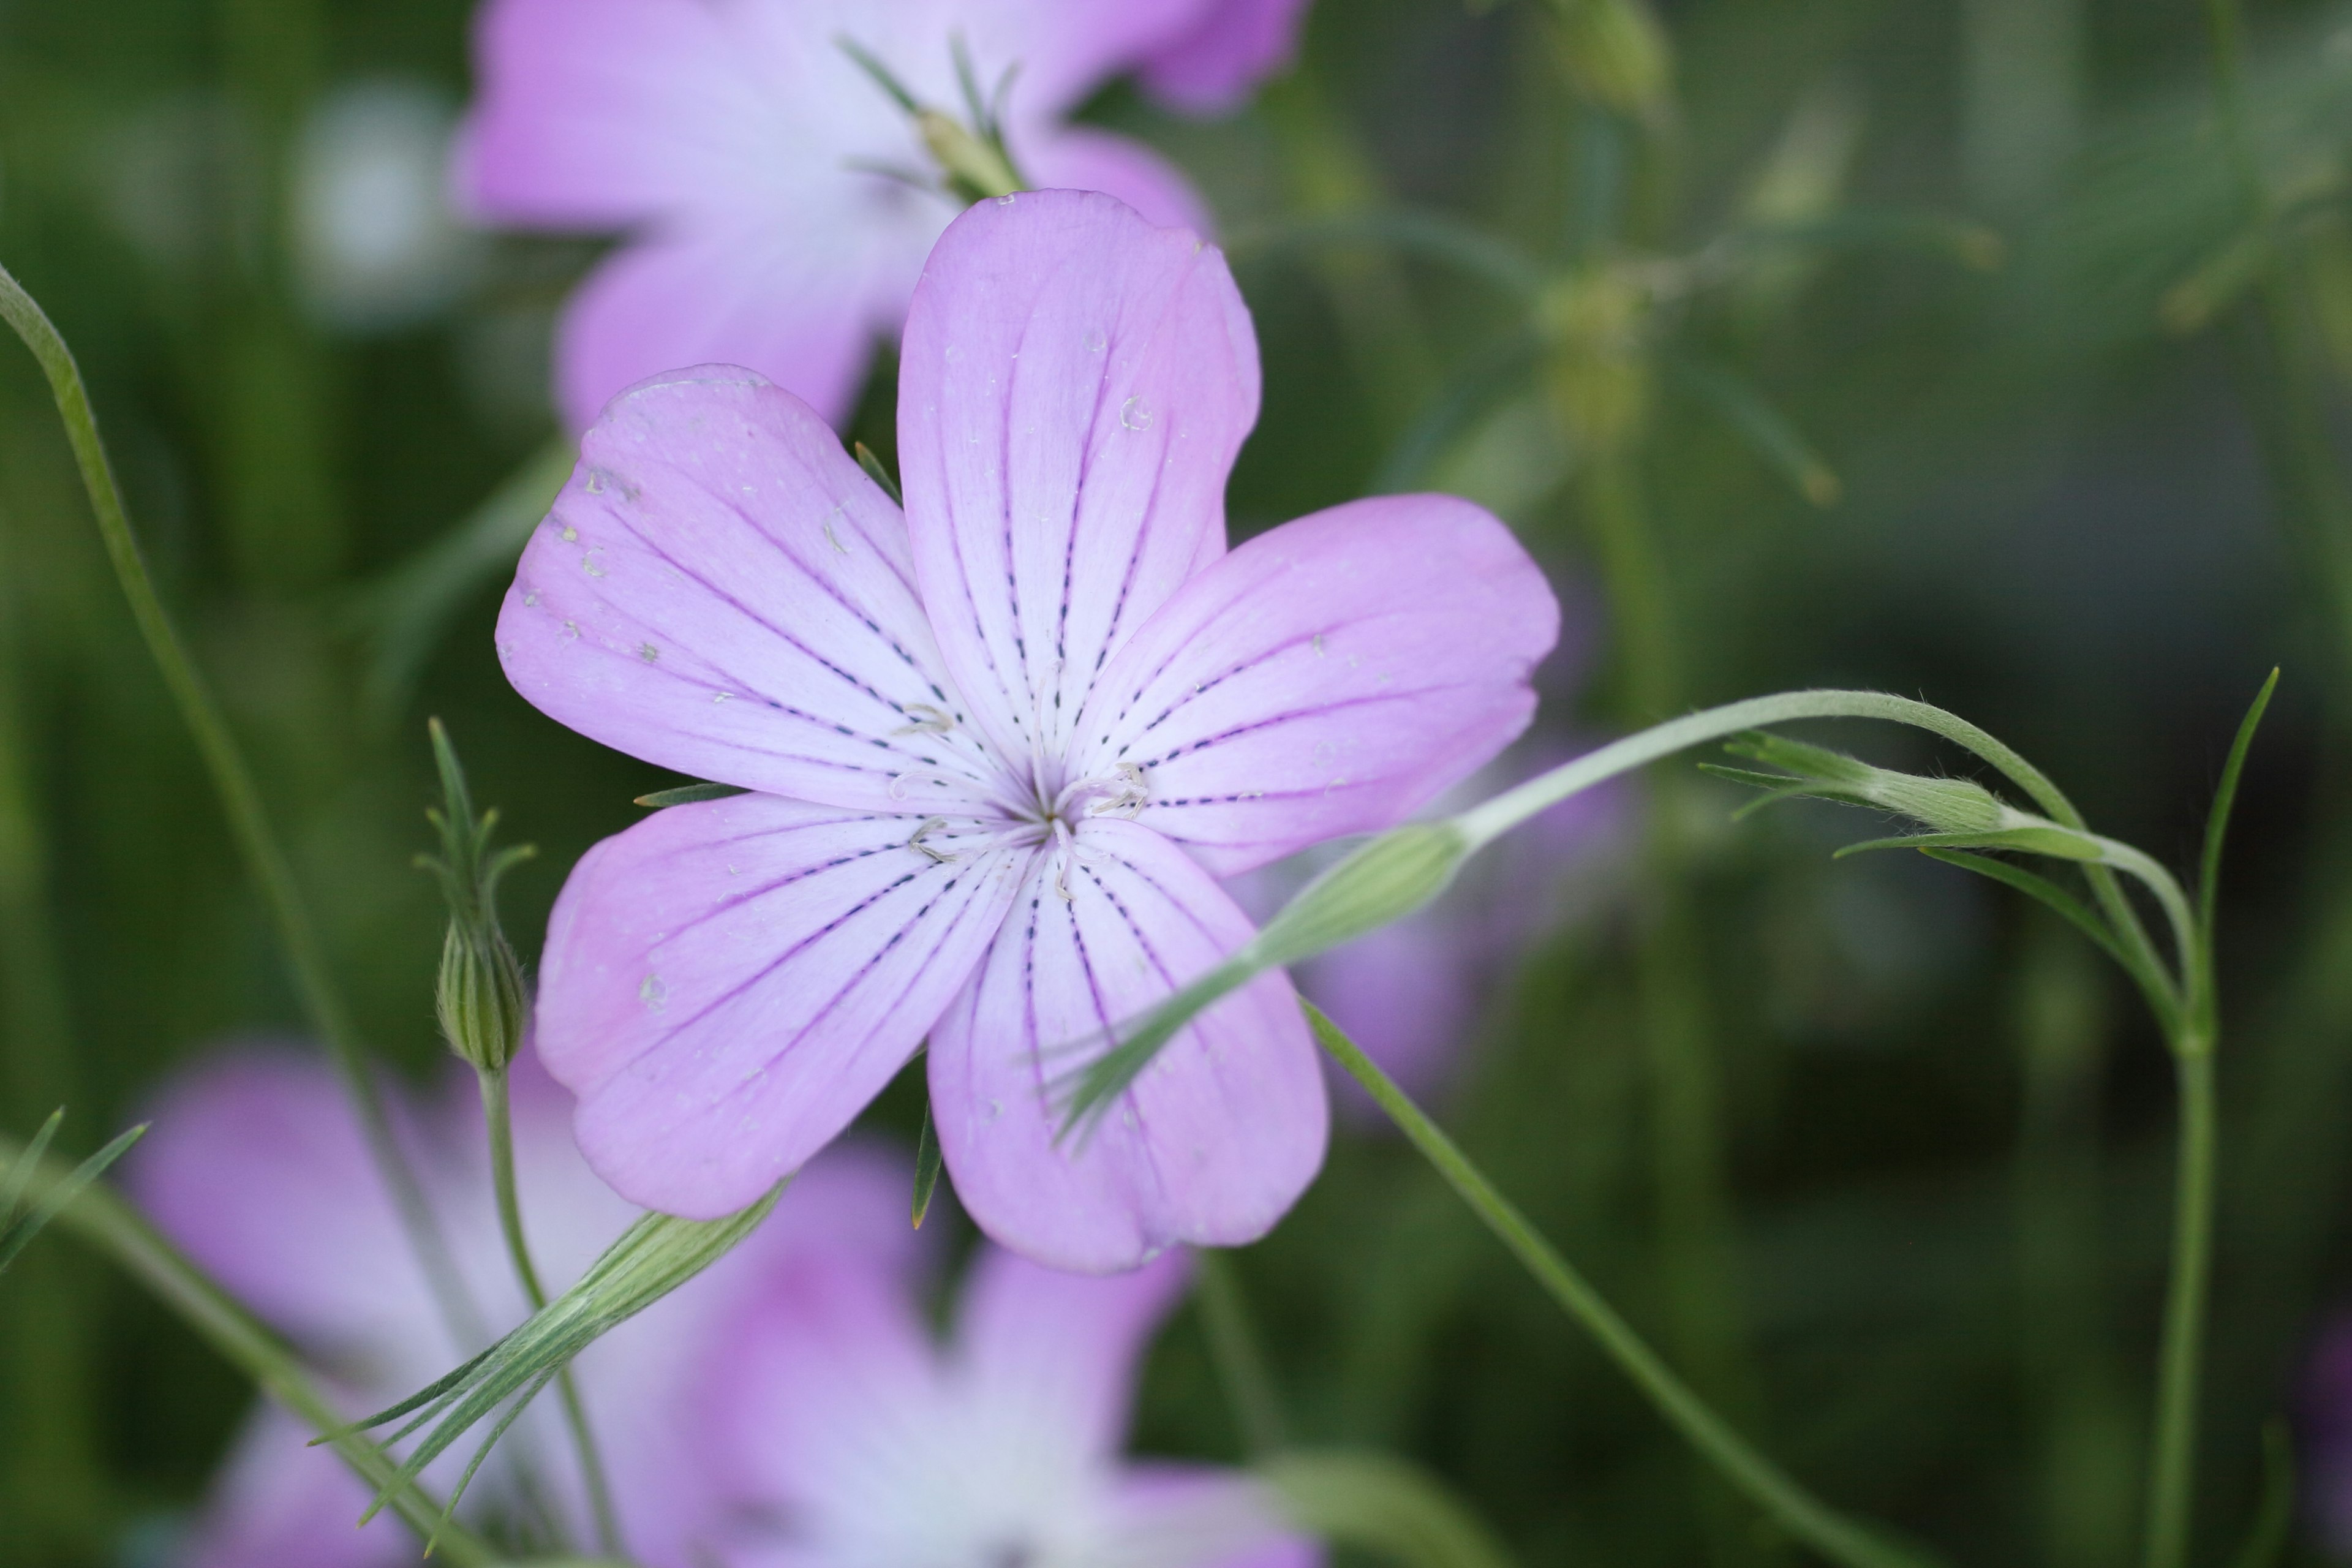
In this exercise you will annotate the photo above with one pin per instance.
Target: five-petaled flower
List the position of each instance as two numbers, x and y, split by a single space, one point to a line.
846 1439
1003 744
769 186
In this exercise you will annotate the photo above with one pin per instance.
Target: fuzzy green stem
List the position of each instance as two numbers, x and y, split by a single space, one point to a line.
2172 1452
498 1115
1804 1517
1234 1350
120 1233
264 857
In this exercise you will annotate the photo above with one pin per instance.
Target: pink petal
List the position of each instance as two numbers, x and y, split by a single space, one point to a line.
1211 1145
802 308
1204 1517
725 985
1235 45
1081 158
1059 1355
254 1166
279 1503
596 114
1067 49
721 591
1330 677
1074 386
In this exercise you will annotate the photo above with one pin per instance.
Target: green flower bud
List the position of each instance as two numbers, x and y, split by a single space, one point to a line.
480 998
1615 53
1384 880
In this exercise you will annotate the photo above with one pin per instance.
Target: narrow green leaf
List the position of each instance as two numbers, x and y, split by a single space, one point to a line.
1768 432
2225 796
2075 912
15 1238
687 794
2059 842
871 462
20 1174
926 1165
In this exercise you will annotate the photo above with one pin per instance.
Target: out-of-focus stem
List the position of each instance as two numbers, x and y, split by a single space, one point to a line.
119 1232
256 839
498 1116
1688 1138
1806 1519
2172 1453
58 1487
1240 1359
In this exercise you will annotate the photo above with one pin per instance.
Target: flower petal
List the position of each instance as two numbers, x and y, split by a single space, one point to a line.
1082 158
727 984
279 1503
1073 387
254 1166
1211 1145
1202 1517
1329 677
804 315
596 114
1235 45
1058 1355
719 590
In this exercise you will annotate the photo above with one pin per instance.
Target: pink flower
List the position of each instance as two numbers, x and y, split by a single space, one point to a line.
1005 743
862 1444
255 1167
751 163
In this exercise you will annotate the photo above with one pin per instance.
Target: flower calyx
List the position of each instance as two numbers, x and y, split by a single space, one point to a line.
1958 813
480 996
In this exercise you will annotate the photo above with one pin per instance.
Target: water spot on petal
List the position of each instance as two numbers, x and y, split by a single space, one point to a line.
570 631
1135 414
588 563
995 1109
1004 201
529 600
653 992
648 652
597 479
570 534
1095 342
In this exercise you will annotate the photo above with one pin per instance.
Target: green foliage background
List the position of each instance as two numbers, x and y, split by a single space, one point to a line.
2070 506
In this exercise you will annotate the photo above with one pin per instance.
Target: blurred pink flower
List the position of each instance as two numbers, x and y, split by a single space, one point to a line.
755 168
255 1167
859 1442
1007 742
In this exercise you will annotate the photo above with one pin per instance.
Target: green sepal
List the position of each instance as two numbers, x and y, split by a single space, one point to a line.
2059 842
17 1231
926 1165
869 461
654 1257
687 795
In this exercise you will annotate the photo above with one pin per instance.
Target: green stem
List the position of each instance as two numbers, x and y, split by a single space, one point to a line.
264 857
1233 1348
119 1231
497 1113
2172 1454
1806 1518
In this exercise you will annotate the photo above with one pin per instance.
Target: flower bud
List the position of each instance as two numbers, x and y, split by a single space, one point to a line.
480 998
1386 879
1615 53
1595 369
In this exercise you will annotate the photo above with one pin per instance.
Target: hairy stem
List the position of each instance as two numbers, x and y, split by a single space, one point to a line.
264 856
120 1233
1805 1518
498 1115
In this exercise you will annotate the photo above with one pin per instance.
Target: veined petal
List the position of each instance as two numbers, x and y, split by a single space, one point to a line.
1194 1516
1211 1145
720 590
727 984
1074 386
1058 1355
804 315
596 114
1332 676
